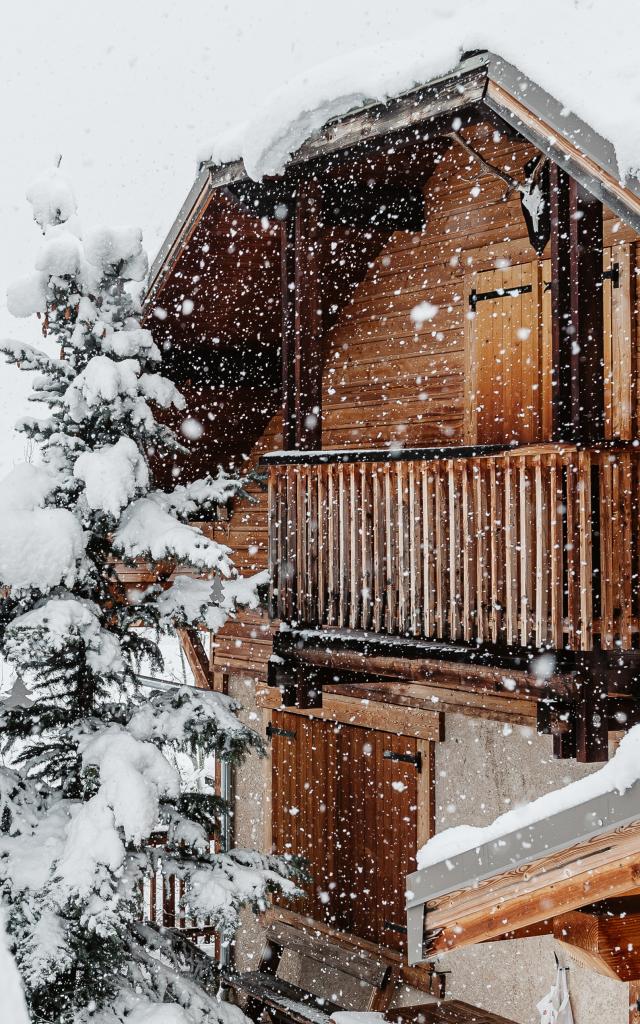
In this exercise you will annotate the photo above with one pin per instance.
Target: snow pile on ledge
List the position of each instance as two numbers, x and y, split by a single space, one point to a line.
576 52
616 776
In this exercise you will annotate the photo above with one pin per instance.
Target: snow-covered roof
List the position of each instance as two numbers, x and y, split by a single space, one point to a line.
566 76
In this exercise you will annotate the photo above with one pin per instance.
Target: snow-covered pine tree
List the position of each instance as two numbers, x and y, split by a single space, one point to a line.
91 774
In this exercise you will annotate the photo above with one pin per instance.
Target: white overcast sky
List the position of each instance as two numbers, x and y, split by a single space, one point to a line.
128 91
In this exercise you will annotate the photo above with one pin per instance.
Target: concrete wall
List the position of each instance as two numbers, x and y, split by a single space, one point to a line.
482 769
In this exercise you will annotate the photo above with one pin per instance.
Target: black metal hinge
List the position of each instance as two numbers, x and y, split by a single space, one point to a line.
612 274
416 759
393 927
272 730
500 293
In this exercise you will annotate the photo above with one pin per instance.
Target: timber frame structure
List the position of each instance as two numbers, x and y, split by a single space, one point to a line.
422 337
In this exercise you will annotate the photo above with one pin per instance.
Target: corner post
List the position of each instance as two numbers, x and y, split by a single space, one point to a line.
577 311
308 320
287 302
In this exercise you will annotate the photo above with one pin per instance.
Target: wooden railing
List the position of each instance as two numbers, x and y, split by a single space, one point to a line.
535 546
163 904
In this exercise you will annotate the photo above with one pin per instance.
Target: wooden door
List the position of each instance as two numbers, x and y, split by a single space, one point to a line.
504 356
345 798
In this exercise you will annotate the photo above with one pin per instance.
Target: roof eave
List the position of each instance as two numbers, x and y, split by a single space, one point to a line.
482 77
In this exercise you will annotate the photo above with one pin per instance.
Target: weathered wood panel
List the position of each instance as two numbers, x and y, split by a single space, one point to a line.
389 380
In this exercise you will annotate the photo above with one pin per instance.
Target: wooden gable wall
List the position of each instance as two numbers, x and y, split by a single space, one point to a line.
385 381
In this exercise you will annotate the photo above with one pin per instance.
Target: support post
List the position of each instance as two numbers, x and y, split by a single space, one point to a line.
308 321
287 298
592 721
577 312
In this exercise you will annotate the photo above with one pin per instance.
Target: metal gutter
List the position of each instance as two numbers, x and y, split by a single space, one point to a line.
569 828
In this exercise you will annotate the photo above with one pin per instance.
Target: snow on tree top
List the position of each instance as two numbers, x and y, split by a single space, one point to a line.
576 52
51 198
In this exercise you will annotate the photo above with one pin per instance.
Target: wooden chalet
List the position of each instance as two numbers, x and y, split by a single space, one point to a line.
422 341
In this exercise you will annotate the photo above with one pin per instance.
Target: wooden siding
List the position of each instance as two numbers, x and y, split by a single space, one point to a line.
245 644
387 381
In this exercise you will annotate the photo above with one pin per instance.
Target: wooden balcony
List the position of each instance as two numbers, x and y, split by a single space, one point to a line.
534 547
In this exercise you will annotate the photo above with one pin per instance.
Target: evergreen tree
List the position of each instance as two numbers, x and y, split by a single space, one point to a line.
92 775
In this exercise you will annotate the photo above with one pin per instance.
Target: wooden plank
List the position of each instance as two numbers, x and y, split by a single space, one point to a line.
454 549
496 532
390 610
511 612
414 549
482 560
470 429
378 523
556 550
586 559
428 548
467 549
192 644
343 547
355 583
426 794
377 715
520 905
323 511
308 318
402 569
357 961
332 548
366 547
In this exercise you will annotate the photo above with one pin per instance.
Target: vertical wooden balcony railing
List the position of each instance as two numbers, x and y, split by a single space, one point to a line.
163 904
532 547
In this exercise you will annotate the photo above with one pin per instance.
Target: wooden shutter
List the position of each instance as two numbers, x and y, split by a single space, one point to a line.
504 356
619 342
345 798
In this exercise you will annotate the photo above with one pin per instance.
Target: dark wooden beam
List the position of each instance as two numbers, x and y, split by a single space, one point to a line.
592 721
308 320
287 302
577 317
196 656
373 207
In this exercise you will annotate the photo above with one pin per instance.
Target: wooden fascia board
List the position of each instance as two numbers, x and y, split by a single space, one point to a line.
564 138
181 230
524 856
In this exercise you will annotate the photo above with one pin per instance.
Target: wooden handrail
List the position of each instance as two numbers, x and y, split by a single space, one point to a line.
535 546
353 455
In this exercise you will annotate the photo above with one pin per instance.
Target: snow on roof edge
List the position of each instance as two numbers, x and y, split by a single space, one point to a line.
527 66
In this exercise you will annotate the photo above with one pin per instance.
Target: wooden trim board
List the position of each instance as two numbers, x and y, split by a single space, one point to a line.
365 712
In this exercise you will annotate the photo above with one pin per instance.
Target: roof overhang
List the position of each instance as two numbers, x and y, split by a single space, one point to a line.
568 860
482 78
